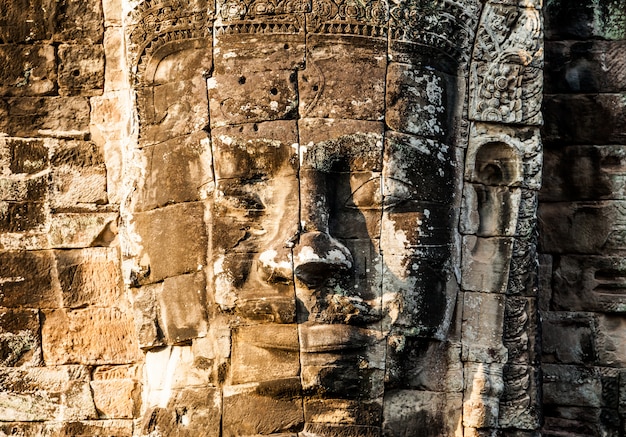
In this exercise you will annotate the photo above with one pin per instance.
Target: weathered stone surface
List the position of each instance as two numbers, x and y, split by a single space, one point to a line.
78 175
110 117
181 307
597 226
585 119
584 173
28 70
255 346
81 69
585 19
483 387
89 336
78 21
116 391
611 341
482 328
171 109
178 171
22 216
585 66
59 393
486 263
20 342
568 338
44 116
520 400
263 408
23 156
587 283
433 414
415 101
82 229
29 280
578 386
264 96
580 420
109 428
327 90
145 314
115 75
90 277
26 21
188 412
174 241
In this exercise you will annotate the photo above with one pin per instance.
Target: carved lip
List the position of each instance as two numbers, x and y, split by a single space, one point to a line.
320 338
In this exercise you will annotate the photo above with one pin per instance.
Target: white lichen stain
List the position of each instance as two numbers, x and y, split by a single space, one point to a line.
225 295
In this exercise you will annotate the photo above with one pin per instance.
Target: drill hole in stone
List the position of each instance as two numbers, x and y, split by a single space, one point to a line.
274 91
242 80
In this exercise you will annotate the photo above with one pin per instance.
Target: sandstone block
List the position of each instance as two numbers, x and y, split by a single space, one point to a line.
81 69
265 352
26 22
174 240
179 171
577 386
29 280
23 156
171 109
338 92
483 315
589 283
255 149
611 340
568 338
145 311
78 20
116 398
585 66
29 70
252 97
115 76
20 343
82 229
90 336
188 412
264 408
585 119
584 173
420 364
584 19
22 216
490 211
434 414
44 116
24 189
181 307
580 420
173 368
483 388
110 117
46 393
485 263
90 277
416 101
100 428
78 175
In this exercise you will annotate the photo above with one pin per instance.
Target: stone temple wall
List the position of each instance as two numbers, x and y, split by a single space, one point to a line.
103 237
582 219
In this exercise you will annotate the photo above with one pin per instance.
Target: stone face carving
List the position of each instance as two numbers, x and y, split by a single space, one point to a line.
325 193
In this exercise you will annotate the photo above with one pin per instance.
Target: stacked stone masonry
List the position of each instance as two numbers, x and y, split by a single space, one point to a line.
311 218
582 300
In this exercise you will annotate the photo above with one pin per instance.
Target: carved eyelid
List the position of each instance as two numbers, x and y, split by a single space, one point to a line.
377 199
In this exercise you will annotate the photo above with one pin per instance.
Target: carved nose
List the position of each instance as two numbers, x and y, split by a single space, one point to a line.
319 257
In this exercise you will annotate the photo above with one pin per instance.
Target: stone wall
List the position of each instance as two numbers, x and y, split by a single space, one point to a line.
68 350
582 218
70 340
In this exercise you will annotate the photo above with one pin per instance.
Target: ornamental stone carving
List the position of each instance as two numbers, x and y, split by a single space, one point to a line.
329 225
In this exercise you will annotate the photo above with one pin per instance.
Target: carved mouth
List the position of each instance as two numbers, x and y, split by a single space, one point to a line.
322 338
